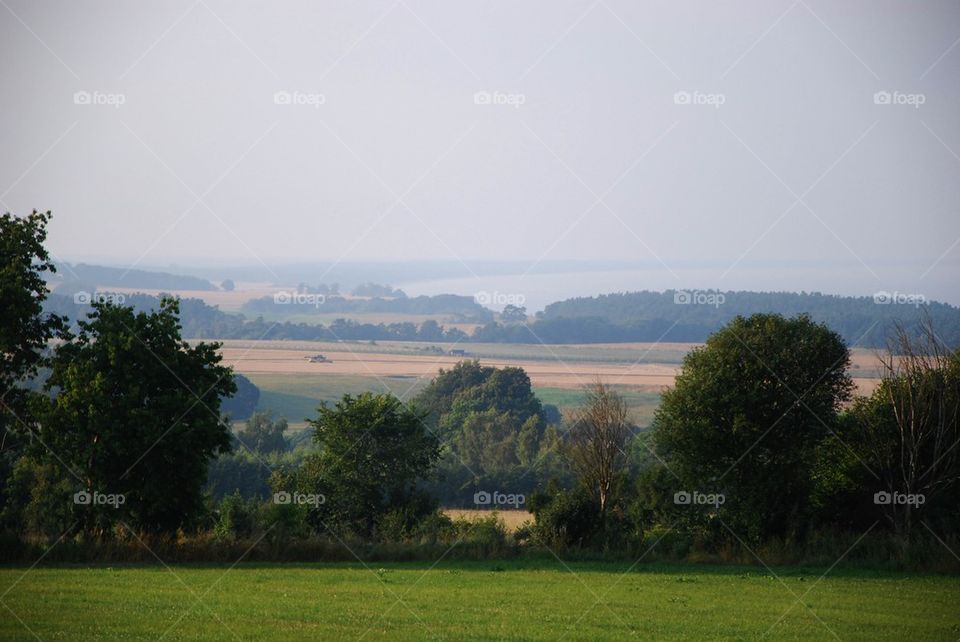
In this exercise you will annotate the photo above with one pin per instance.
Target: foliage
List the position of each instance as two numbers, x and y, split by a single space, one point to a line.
747 413
373 451
136 411
902 441
106 277
262 434
377 290
513 314
236 517
638 316
597 440
25 328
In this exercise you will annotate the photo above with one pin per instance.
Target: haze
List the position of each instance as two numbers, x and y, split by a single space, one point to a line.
789 174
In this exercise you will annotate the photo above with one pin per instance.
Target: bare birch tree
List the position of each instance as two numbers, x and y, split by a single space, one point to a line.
596 441
920 397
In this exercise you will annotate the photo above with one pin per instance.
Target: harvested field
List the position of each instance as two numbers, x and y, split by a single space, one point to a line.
633 366
511 518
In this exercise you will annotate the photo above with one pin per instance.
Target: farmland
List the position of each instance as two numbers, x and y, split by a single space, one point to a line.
293 386
520 600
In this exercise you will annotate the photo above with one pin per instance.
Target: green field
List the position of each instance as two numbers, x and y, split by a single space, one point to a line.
641 404
474 601
296 396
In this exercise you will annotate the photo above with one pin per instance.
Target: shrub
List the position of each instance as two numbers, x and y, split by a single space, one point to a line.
236 518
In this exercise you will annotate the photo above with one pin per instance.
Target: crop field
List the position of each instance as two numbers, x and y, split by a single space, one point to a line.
293 386
647 367
523 600
511 518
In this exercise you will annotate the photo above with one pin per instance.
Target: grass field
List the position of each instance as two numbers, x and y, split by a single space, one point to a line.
296 397
527 600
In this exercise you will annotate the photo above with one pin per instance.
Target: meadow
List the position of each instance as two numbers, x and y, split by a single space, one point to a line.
520 600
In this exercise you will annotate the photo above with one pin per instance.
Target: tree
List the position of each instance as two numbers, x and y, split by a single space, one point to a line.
513 313
430 330
597 441
136 411
374 450
470 387
746 414
24 329
228 285
487 443
24 334
261 434
910 426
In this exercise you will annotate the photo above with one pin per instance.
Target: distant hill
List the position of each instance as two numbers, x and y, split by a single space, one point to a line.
200 320
671 316
464 307
681 315
110 277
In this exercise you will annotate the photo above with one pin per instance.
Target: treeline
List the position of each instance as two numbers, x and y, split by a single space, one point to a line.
123 278
760 453
464 308
199 320
493 431
693 315
639 316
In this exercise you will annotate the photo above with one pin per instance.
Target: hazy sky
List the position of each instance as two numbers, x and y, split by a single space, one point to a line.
774 151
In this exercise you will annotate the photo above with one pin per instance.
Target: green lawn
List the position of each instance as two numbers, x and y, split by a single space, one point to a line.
474 601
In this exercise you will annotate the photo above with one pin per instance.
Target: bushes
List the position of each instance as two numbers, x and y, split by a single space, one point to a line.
573 519
237 518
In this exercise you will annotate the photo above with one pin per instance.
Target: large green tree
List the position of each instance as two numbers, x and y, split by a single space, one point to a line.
746 415
135 410
374 451
24 329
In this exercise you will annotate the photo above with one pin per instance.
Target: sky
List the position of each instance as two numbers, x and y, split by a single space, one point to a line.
803 145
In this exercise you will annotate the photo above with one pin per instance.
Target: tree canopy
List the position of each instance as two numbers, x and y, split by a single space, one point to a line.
136 411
